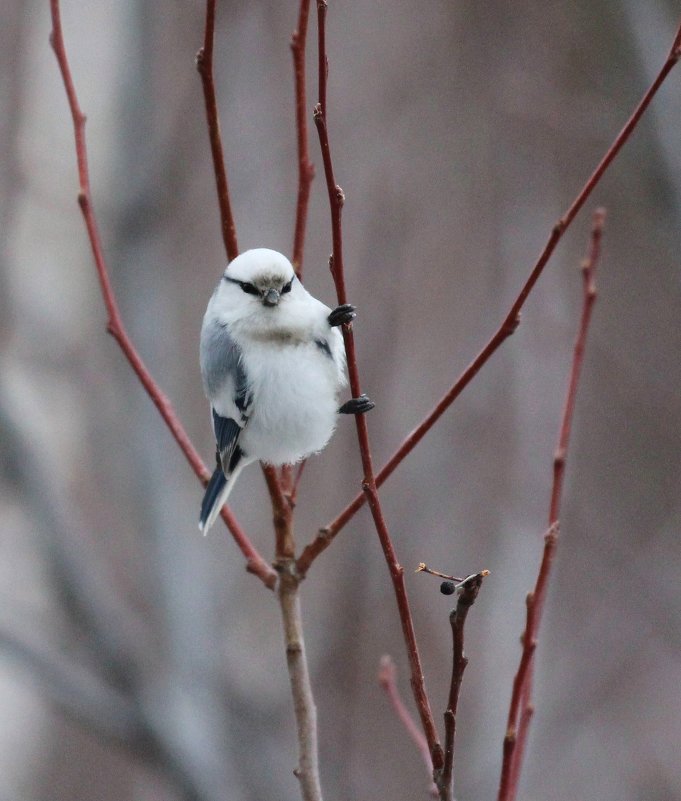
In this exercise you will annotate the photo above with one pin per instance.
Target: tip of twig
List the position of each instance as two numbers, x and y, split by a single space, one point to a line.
599 215
676 46
386 671
474 578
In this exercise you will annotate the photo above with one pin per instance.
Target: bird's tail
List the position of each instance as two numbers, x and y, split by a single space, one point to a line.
215 496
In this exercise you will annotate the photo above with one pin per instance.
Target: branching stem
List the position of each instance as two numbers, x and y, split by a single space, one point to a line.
254 561
507 327
520 708
336 264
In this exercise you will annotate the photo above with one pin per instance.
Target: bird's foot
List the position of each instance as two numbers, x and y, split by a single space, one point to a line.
342 314
360 405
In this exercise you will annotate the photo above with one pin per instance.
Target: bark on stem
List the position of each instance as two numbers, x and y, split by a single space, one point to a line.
204 64
304 707
305 167
457 619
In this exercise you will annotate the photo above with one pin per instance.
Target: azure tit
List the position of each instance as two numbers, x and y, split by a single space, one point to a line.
273 364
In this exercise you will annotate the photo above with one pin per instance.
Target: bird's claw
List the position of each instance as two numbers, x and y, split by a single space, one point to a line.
359 405
345 313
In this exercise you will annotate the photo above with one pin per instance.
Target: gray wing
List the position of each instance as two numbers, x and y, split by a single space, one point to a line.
226 385
224 376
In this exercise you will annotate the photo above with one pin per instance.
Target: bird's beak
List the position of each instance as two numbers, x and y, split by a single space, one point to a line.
271 298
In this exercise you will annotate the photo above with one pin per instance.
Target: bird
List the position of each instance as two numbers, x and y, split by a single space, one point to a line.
273 365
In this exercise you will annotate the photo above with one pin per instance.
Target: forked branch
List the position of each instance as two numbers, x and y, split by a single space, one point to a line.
336 200
520 709
507 327
254 561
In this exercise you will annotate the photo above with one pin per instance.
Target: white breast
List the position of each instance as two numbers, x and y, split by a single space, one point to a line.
295 400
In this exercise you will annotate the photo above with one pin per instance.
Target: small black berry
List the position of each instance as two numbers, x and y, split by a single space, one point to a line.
447 588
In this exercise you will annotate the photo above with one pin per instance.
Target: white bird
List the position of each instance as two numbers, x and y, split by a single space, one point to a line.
272 363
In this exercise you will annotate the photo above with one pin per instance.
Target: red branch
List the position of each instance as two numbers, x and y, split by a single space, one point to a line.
508 326
305 176
336 200
204 64
387 678
254 562
305 166
520 709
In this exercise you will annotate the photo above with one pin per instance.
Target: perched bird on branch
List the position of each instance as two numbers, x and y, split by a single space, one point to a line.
273 364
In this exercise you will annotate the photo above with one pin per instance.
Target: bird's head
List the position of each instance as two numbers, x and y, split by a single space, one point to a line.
259 276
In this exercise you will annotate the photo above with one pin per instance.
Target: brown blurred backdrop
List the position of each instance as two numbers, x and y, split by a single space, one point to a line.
137 659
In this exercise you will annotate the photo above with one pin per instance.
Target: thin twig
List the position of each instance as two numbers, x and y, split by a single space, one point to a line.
387 678
520 708
304 707
254 562
468 592
282 515
305 166
336 200
507 327
204 64
423 568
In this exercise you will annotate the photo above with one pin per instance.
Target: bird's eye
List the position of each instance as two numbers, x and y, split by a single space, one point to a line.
250 289
287 287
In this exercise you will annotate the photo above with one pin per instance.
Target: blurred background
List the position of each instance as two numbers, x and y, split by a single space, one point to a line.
138 660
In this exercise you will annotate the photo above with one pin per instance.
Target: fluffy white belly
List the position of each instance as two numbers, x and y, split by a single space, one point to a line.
295 402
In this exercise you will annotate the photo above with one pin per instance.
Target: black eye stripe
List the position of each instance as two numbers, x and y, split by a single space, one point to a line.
251 289
247 287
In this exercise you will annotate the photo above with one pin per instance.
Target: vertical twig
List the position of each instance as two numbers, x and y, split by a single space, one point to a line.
507 327
254 562
305 176
520 709
305 710
336 200
468 592
282 515
305 167
204 64
279 483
